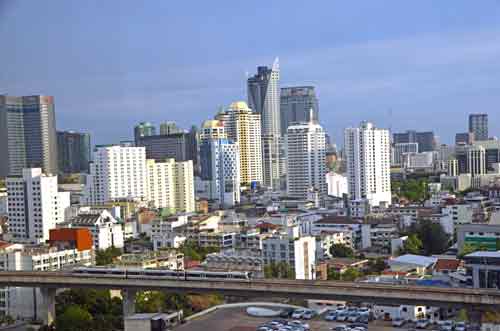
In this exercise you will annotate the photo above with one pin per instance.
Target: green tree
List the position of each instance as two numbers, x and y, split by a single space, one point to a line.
280 270
74 318
376 266
340 250
150 302
350 275
193 251
462 315
333 274
2 182
106 256
434 239
412 245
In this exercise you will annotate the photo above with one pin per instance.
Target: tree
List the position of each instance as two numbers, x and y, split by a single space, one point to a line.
434 239
462 315
279 270
150 302
333 274
412 245
193 251
74 318
340 250
376 266
106 256
350 275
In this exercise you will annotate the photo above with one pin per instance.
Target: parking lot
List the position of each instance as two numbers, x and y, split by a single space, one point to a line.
236 319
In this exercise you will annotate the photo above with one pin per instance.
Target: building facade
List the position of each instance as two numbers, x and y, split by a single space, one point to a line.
264 99
295 106
168 128
143 129
178 146
171 185
116 172
244 127
367 150
73 151
478 125
306 159
27 134
399 150
34 205
426 140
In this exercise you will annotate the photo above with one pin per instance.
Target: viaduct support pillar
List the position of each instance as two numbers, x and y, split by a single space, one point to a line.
128 296
48 305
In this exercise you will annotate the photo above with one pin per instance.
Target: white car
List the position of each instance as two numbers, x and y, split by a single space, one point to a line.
299 323
446 326
460 326
422 324
398 322
298 313
342 317
364 311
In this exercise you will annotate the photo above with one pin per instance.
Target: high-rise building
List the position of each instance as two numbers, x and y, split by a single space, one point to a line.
143 129
168 128
264 99
35 205
220 166
306 159
171 185
244 127
478 124
73 150
27 134
178 146
471 160
367 150
426 140
116 172
296 104
464 138
399 150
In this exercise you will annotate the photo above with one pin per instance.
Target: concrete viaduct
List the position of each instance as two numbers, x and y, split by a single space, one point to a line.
49 282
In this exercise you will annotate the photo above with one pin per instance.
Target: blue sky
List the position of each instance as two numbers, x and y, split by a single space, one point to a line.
422 64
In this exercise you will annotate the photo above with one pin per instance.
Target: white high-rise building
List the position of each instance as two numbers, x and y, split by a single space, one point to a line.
34 205
220 165
244 127
117 172
368 154
171 185
306 159
337 184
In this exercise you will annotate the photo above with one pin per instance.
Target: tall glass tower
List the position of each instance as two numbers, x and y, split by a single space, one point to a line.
264 98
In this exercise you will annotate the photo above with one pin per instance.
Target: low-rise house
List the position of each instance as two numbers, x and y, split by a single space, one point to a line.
235 260
160 259
420 265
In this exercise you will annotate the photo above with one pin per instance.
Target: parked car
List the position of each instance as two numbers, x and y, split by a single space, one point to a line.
398 322
341 327
341 309
298 313
446 326
422 324
363 326
353 317
364 311
304 325
308 314
342 317
460 326
287 312
331 316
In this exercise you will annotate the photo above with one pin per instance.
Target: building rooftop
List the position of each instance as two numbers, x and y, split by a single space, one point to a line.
423 261
484 254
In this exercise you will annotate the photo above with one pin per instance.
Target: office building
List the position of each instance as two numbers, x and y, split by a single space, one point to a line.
306 159
367 150
337 184
34 205
117 172
295 106
177 146
143 129
168 128
419 161
244 127
465 138
264 99
171 185
73 150
471 160
220 165
484 269
426 140
399 150
27 134
478 125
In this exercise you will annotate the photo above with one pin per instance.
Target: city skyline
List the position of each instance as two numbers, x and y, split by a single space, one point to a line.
411 72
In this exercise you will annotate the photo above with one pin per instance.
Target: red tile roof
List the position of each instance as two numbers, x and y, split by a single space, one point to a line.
446 264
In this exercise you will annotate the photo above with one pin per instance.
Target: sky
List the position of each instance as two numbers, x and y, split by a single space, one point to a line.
421 65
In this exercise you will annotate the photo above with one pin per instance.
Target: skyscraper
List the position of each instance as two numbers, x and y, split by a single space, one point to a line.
296 104
306 159
27 134
426 141
264 98
367 150
244 127
478 124
167 128
73 150
143 129
220 166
